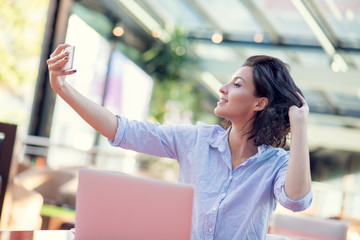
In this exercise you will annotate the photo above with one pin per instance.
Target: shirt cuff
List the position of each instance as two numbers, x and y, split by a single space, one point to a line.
295 205
120 132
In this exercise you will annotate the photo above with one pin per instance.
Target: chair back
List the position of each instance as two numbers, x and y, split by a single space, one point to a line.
310 228
276 237
7 141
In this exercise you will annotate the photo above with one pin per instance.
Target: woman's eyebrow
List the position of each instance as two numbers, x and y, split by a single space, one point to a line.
235 77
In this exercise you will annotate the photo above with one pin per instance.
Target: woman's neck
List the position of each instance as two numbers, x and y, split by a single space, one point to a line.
241 147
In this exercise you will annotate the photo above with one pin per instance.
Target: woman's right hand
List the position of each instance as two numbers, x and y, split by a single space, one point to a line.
55 64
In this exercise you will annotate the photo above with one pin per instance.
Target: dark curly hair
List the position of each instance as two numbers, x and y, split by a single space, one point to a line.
273 81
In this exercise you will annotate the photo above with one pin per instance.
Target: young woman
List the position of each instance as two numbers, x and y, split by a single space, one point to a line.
239 173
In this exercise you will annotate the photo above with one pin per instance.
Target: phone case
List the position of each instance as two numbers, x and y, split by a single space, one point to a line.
70 62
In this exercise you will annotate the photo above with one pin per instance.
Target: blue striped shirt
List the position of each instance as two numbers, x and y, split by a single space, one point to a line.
228 204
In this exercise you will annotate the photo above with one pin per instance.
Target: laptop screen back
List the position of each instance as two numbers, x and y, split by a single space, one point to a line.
112 205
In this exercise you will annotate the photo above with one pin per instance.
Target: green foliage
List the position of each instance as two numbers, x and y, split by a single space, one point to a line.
21 31
174 70
22 25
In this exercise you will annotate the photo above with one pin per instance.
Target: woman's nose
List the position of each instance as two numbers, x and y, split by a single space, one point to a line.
223 89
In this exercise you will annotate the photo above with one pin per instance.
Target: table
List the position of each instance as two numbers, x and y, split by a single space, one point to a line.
37 235
55 216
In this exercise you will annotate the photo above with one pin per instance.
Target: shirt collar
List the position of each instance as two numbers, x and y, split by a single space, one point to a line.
219 139
262 148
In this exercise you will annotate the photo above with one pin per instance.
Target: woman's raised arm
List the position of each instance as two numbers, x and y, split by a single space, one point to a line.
298 177
100 118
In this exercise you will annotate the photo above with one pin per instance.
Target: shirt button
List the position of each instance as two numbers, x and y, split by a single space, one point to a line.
223 195
214 209
210 230
230 177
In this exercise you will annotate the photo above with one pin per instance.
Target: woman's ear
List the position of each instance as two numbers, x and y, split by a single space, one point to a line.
261 103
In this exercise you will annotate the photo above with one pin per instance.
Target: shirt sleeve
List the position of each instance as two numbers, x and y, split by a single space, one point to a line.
153 138
279 192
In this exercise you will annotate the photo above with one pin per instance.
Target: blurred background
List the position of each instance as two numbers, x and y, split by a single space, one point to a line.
164 61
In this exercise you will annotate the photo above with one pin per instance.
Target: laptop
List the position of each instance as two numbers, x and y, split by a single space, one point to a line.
111 205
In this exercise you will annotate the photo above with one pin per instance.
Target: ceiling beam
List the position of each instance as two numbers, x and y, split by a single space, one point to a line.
322 22
145 20
261 18
205 16
338 62
289 46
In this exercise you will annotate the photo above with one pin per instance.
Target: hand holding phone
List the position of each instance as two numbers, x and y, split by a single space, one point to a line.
70 62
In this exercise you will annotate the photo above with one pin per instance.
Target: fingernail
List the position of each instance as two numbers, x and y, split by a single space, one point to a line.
66 57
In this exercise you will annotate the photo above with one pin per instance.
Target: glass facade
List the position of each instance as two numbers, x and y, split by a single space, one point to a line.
313 37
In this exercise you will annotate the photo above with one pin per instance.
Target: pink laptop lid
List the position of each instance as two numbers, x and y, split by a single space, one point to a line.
112 205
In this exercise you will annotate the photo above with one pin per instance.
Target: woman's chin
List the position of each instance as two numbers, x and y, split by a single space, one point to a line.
218 112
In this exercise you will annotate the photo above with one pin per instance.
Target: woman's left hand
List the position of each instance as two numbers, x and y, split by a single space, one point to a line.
298 177
299 113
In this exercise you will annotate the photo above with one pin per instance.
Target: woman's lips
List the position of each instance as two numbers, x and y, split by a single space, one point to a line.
222 101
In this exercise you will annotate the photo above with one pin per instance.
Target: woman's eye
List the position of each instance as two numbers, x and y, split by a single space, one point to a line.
237 85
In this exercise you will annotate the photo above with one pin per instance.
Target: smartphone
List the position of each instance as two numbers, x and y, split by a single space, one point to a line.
70 62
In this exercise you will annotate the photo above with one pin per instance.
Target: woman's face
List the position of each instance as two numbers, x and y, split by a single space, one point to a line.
238 102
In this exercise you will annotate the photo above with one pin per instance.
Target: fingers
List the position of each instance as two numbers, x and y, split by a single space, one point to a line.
59 49
299 95
58 57
302 99
69 72
55 58
57 63
56 74
58 54
304 107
